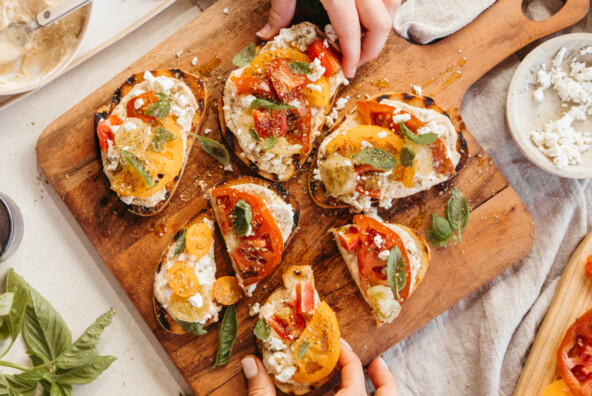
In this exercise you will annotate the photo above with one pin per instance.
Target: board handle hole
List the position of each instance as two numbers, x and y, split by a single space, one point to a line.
537 10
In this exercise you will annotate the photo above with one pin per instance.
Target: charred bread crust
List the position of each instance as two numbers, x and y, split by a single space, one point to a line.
316 188
198 89
164 319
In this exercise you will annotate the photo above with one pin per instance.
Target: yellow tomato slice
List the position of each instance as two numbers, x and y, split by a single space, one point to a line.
257 66
318 98
198 240
409 175
167 163
322 334
182 309
557 388
227 291
351 143
182 279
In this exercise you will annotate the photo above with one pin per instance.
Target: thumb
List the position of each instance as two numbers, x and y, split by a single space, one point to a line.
260 384
280 15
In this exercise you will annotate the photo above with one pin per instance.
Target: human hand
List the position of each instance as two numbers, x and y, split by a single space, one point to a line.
352 376
350 19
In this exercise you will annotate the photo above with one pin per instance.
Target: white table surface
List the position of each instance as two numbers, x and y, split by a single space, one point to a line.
55 256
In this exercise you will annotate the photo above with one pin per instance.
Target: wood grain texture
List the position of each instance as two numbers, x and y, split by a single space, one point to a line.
572 298
131 245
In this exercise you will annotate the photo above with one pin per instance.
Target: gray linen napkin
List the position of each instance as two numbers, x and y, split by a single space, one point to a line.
479 346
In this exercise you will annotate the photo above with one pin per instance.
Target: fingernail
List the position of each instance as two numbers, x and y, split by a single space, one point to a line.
263 32
346 344
381 360
249 367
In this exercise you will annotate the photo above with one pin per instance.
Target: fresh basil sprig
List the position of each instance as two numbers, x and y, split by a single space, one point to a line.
270 142
226 337
140 167
214 148
160 137
441 231
268 104
262 330
302 349
161 108
245 56
254 134
241 218
423 139
194 328
180 242
300 67
58 363
395 271
457 218
378 158
407 156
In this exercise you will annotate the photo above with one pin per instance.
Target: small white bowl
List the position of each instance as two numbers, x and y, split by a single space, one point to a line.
524 114
37 81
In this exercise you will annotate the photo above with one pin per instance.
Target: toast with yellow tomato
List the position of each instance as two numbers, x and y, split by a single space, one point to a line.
387 262
147 134
257 219
273 108
390 146
298 334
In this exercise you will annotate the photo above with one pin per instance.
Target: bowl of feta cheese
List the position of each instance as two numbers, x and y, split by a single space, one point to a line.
549 106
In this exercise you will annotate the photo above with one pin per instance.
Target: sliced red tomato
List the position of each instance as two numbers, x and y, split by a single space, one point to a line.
328 56
147 99
270 122
589 265
442 163
299 122
287 323
305 297
259 253
366 183
283 79
350 239
104 131
574 357
373 268
254 85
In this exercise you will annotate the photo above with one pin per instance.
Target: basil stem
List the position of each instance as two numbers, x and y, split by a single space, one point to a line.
378 158
226 337
423 139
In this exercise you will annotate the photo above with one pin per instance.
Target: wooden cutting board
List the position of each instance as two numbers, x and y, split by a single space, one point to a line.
500 232
572 298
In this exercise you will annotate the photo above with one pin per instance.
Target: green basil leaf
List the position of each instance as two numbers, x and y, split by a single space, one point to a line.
13 323
436 240
84 374
161 108
300 67
254 134
457 210
407 155
12 386
83 350
246 55
302 349
139 166
268 104
241 219
180 242
33 375
60 390
160 137
426 138
378 158
269 142
226 336
6 303
194 328
262 330
215 149
46 334
441 227
395 270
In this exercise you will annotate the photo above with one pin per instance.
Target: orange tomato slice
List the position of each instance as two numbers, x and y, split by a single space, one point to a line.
409 175
322 334
198 240
557 388
182 309
351 143
318 98
182 279
227 291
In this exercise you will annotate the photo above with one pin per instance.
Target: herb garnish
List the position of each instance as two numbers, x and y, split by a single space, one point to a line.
441 231
214 148
269 142
160 137
245 56
161 108
254 134
378 158
407 156
180 242
192 327
395 271
423 139
457 218
302 349
268 104
140 167
300 67
226 337
241 218
262 330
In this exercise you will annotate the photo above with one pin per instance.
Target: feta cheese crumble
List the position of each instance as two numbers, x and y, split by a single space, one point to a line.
194 61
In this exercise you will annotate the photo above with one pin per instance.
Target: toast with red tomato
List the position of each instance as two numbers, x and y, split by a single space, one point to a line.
298 334
390 146
273 109
387 262
257 218
146 135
